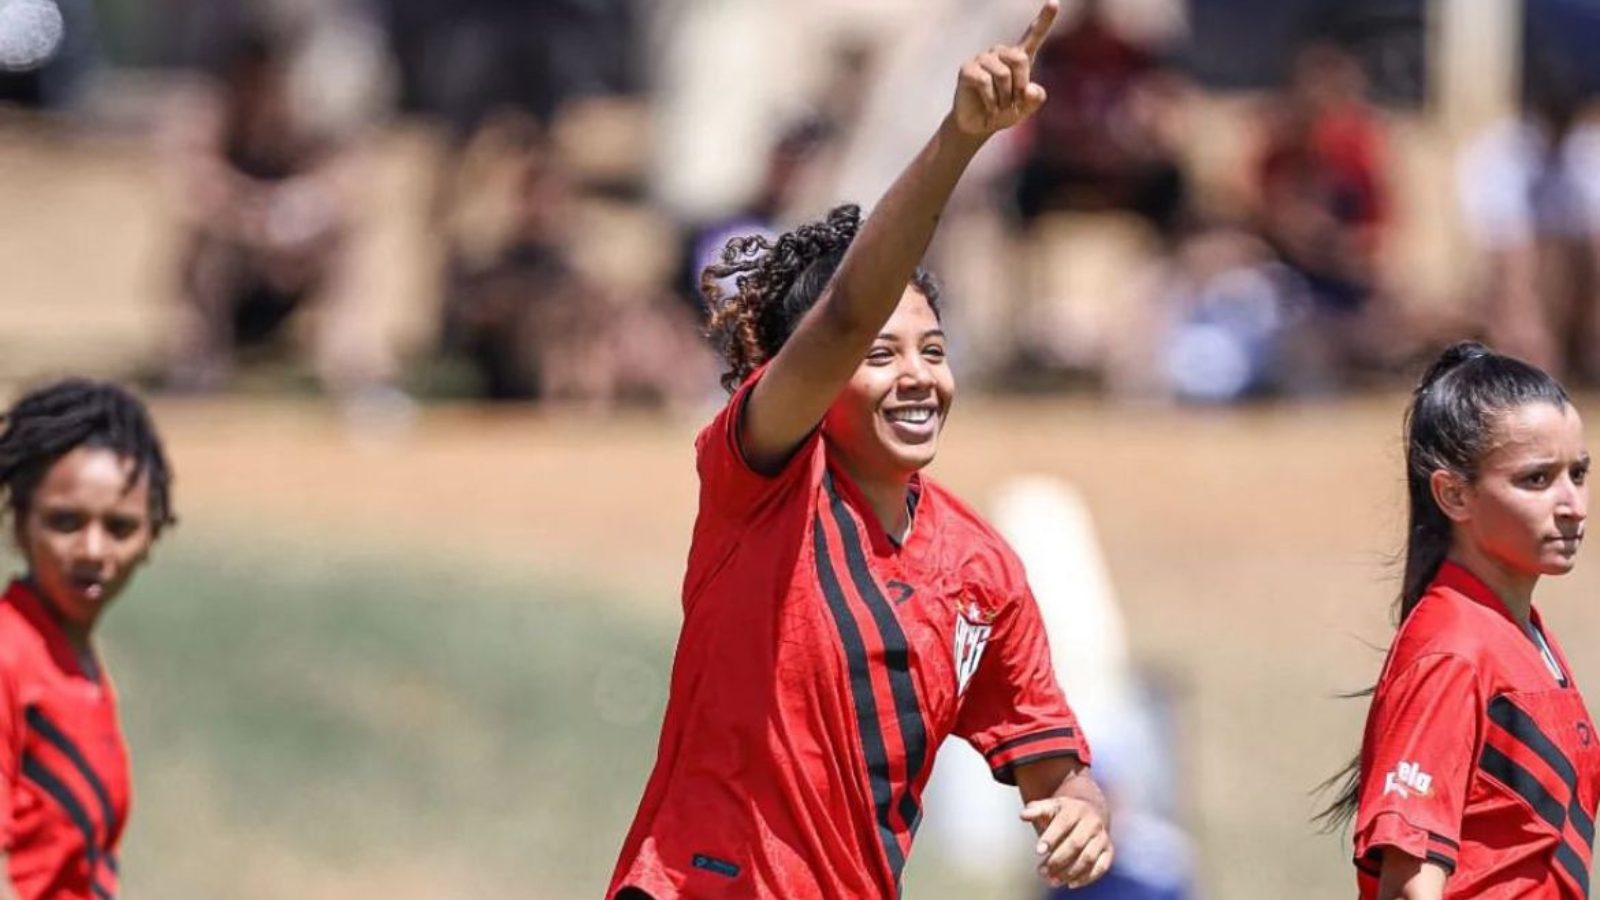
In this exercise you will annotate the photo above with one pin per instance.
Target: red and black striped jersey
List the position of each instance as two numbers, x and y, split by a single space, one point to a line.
1479 753
64 784
819 667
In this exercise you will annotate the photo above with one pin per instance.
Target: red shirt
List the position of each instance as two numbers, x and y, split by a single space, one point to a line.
1477 755
64 784
818 669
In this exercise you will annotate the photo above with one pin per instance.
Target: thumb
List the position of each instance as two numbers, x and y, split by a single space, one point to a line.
1033 97
1039 811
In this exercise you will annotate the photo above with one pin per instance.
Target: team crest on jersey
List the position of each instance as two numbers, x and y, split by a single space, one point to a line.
1407 780
973 625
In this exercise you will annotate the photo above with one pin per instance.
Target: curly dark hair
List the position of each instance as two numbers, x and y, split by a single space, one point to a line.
777 281
51 421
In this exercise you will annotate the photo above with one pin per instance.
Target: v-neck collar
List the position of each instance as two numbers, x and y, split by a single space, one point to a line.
839 484
1460 579
22 595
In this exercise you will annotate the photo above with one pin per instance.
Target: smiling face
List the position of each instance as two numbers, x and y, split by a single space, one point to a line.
887 421
84 532
1526 508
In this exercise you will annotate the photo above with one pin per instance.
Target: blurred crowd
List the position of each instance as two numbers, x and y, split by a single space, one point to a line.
1124 241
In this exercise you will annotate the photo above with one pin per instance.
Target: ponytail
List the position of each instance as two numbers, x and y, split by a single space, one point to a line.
1450 426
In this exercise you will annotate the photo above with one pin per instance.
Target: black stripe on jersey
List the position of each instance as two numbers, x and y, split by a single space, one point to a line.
47 729
1441 839
111 863
855 653
1525 784
35 771
1521 726
896 657
102 893
1045 735
1569 860
1445 862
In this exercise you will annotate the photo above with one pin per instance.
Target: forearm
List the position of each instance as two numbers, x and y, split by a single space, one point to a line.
1405 877
895 236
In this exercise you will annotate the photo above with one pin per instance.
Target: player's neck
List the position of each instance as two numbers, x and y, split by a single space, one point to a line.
886 494
1515 589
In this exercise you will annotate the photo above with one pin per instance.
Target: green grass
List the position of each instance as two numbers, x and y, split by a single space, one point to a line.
315 723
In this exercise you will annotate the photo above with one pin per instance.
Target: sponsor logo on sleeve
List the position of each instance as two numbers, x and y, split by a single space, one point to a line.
1408 780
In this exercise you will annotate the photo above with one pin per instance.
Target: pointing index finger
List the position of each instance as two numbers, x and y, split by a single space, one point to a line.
1034 37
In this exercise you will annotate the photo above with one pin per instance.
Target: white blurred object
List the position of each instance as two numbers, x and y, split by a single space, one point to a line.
31 32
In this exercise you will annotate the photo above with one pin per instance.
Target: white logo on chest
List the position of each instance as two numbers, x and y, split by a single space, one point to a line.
972 635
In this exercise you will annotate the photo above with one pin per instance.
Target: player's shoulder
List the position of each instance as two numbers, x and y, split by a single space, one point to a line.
973 545
1446 622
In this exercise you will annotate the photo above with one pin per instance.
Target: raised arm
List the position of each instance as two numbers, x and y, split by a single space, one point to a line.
993 92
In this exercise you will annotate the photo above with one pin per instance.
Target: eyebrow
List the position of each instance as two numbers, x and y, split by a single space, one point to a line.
934 332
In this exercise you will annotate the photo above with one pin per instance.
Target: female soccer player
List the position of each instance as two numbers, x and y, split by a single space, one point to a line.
87 485
1479 773
843 613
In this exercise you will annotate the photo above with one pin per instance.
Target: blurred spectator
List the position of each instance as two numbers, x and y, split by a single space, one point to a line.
265 200
1096 145
562 293
1530 193
1322 202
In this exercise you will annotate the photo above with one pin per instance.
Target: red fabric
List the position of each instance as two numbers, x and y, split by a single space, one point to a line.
816 674
1475 756
63 763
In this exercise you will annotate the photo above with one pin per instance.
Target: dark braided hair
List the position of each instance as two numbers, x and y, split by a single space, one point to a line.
777 282
1450 425
51 421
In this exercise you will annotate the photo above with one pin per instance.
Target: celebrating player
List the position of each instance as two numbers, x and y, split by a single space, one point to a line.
87 485
842 612
1478 774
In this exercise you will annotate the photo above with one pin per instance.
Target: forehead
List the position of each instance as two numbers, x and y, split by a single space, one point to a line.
92 477
913 316
1537 429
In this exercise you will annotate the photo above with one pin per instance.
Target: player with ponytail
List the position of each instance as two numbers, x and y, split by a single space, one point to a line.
1479 774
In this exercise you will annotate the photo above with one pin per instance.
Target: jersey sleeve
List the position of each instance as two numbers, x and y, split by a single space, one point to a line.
1423 735
1014 712
728 483
11 739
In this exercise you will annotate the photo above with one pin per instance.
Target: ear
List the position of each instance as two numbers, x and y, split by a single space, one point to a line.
1453 494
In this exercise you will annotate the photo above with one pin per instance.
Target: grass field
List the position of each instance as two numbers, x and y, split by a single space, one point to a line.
430 664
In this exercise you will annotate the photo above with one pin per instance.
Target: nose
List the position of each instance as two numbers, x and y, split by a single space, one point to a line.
95 544
1574 501
916 374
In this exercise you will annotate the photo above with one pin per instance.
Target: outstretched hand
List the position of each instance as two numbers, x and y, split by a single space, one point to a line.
995 90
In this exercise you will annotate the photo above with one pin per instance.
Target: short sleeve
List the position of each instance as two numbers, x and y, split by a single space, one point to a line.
1422 738
11 738
1014 712
727 481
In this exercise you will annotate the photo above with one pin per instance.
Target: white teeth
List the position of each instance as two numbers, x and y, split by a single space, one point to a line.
914 416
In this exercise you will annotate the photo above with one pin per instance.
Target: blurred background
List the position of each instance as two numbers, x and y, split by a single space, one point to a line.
412 285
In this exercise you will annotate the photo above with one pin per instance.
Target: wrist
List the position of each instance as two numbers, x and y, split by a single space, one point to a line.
952 136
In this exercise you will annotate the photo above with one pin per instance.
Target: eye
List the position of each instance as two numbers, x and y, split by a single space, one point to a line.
879 355
1580 473
1537 479
122 527
934 351
63 521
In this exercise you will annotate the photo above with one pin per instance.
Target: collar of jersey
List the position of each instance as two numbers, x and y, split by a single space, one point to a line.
1460 579
876 535
22 595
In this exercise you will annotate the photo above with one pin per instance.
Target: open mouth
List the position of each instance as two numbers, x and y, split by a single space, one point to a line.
91 586
913 424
